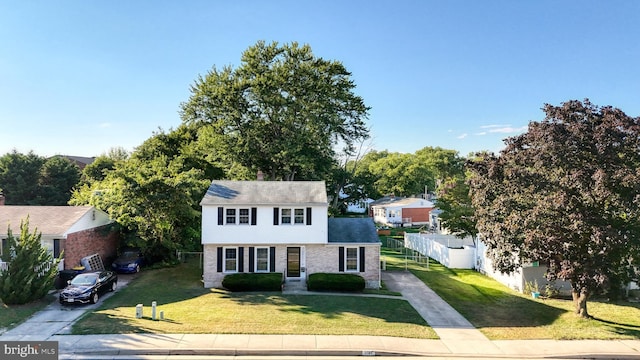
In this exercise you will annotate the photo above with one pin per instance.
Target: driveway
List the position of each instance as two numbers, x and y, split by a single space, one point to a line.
56 319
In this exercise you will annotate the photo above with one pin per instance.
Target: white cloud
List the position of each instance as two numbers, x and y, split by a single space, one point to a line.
462 136
508 129
493 126
481 133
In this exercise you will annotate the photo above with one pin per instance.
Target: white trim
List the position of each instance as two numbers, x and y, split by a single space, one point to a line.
237 215
346 263
255 259
224 259
292 216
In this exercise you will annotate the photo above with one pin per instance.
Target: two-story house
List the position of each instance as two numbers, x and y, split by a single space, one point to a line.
282 226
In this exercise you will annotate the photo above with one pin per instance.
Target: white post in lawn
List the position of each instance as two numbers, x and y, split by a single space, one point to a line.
139 311
153 310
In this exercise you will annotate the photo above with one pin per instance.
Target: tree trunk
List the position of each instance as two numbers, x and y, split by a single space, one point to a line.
580 303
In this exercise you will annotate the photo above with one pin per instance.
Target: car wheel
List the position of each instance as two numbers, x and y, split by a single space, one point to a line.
113 286
137 268
94 298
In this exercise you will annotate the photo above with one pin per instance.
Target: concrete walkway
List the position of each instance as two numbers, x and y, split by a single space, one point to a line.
455 332
458 339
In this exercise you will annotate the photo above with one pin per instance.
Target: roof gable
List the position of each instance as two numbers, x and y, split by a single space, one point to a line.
49 220
222 192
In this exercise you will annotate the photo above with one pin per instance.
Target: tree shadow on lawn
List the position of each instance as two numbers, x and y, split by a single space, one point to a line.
491 305
627 326
333 306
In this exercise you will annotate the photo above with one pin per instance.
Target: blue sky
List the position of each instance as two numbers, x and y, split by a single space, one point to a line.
81 77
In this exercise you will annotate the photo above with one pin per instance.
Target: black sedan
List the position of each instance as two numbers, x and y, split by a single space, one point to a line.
87 287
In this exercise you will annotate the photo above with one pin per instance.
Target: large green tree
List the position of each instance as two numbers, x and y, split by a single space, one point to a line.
154 194
32 270
565 193
30 179
458 214
282 111
20 177
58 176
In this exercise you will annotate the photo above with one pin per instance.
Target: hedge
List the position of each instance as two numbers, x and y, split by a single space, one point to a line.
253 282
335 282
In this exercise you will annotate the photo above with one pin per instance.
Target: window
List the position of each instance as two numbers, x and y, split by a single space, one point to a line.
231 216
262 259
237 216
286 216
351 259
298 216
244 216
230 260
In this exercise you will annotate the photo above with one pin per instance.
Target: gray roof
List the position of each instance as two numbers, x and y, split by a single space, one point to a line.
223 192
50 220
352 230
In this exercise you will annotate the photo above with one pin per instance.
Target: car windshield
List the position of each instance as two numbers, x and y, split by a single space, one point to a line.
129 255
84 280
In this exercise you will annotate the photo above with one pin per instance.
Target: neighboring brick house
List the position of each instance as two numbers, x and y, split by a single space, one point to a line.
74 231
282 226
398 211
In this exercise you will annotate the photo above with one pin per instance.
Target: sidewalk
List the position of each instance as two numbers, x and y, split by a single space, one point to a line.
458 339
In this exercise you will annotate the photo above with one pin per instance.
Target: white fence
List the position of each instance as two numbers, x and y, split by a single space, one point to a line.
41 269
448 250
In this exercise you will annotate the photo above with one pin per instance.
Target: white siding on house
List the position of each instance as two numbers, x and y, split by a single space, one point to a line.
91 219
264 232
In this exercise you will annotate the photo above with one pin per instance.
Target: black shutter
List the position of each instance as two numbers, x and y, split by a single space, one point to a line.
219 258
254 215
251 258
309 216
4 250
341 258
220 216
362 259
276 215
240 259
56 248
272 259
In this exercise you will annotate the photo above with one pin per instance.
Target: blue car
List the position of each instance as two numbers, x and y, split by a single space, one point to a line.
128 262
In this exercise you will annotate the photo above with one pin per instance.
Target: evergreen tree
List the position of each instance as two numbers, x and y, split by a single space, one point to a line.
32 270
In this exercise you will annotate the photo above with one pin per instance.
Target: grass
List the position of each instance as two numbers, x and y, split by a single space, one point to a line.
190 308
12 315
503 314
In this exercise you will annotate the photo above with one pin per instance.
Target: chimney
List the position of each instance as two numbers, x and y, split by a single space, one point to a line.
1 199
260 175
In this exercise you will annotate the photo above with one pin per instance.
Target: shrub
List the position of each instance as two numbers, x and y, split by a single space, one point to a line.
253 282
32 270
335 282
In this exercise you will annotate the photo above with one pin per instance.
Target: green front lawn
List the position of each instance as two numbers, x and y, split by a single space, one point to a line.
501 313
12 315
189 308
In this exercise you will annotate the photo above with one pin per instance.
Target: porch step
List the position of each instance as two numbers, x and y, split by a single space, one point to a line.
294 286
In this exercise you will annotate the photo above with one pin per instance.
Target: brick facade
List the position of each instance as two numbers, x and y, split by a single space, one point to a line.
101 240
417 215
319 258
